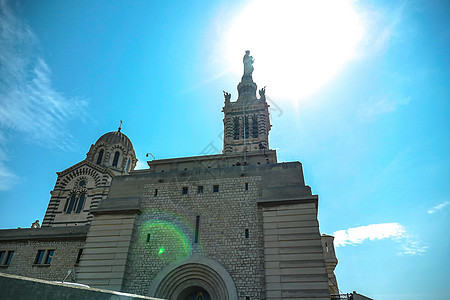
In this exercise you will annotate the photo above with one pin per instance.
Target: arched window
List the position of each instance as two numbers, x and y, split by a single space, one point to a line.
70 203
254 127
100 156
236 128
80 203
116 159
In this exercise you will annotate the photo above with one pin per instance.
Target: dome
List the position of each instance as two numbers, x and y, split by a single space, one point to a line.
116 137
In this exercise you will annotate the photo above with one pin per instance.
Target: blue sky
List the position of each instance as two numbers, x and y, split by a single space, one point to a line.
358 93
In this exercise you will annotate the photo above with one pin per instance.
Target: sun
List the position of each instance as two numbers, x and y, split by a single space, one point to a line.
298 45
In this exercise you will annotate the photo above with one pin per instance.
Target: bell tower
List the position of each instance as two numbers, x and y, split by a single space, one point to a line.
246 121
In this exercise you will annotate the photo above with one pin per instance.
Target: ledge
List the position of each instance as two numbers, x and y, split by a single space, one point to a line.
129 205
44 233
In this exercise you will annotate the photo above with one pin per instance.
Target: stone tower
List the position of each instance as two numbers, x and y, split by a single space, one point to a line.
331 261
80 188
246 120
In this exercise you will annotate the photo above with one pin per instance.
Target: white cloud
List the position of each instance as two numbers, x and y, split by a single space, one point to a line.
395 231
380 106
438 207
382 24
28 102
372 232
7 178
29 105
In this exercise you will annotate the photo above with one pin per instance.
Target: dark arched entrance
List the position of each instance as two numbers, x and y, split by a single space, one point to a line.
196 278
194 293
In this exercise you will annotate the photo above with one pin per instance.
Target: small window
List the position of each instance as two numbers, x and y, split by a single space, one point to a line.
215 189
80 252
236 127
254 127
128 166
116 158
48 258
100 157
185 190
246 233
80 204
197 227
9 256
246 186
156 193
200 189
148 237
2 254
39 257
71 203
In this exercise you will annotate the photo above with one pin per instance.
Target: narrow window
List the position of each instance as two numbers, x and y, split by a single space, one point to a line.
80 252
156 193
39 257
128 165
9 256
100 157
48 258
200 189
148 237
246 233
197 225
246 186
2 254
80 203
116 158
71 203
254 126
185 190
215 189
246 128
236 128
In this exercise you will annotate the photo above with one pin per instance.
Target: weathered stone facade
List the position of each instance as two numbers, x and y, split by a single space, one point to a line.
225 217
237 225
65 242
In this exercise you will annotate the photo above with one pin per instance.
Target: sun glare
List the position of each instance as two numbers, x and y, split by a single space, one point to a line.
298 46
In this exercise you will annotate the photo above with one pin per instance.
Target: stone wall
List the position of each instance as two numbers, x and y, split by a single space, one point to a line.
105 257
294 262
167 228
22 263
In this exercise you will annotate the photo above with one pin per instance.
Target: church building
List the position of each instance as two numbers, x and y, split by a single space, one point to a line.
235 225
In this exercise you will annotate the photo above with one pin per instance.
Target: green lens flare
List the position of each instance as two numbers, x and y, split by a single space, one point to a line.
160 237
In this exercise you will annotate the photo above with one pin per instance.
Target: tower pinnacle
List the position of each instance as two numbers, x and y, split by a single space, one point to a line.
246 120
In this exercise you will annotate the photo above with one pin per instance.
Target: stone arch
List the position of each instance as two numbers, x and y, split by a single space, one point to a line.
198 272
83 171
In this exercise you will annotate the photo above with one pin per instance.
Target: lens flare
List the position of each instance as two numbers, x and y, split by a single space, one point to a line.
160 237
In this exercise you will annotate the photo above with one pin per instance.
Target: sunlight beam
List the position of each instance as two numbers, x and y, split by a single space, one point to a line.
298 45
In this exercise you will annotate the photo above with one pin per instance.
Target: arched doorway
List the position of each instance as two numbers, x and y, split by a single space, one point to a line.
196 278
194 293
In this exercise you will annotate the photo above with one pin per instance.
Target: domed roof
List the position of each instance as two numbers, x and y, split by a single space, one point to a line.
116 137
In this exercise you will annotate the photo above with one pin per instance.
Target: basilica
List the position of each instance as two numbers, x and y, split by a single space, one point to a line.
234 225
